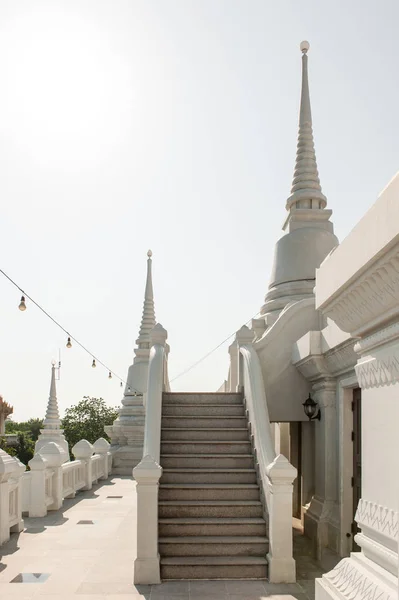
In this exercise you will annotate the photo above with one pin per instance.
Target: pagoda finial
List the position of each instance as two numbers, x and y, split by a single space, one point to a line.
52 419
306 190
148 318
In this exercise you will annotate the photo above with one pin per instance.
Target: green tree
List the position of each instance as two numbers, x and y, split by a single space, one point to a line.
23 449
86 420
31 427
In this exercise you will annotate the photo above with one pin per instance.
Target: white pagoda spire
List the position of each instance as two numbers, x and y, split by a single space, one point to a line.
52 419
306 190
148 318
52 431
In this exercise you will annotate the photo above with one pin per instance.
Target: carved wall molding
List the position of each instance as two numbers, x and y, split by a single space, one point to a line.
383 336
379 518
370 299
355 584
378 371
332 363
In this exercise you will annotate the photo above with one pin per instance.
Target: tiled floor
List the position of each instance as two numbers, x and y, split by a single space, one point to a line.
94 561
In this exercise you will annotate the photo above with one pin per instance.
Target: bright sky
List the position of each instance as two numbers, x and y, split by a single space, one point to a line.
170 125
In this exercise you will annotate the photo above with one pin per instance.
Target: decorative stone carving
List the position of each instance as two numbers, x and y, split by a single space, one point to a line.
380 518
367 300
353 583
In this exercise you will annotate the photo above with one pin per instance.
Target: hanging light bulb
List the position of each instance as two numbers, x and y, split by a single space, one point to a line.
93 364
22 305
128 389
69 343
110 375
121 384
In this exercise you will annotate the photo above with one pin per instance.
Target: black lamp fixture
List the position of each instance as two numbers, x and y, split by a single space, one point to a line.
310 407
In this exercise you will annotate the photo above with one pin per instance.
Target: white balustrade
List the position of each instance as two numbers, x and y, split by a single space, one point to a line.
11 470
148 471
276 472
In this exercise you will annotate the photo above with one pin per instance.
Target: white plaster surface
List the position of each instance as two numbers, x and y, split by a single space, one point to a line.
95 562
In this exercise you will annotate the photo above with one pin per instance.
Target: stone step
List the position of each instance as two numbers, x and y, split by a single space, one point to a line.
206 476
213 567
207 398
201 434
207 461
212 526
208 422
210 491
209 508
205 410
213 546
203 447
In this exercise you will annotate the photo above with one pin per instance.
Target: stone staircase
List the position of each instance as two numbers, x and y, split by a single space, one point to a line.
211 523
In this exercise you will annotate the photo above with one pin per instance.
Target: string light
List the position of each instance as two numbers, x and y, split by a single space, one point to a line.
110 375
22 305
93 364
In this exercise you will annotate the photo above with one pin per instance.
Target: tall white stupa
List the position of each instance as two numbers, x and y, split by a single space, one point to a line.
127 431
52 431
309 234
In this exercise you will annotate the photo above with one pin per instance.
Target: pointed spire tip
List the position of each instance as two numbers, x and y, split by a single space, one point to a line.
149 253
304 46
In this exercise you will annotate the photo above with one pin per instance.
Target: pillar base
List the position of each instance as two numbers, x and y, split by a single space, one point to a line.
147 571
321 526
281 570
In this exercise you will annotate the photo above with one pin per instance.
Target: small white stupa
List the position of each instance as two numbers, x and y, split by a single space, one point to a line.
127 431
309 236
52 431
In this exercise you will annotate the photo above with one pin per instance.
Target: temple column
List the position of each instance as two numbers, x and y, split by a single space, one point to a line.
321 523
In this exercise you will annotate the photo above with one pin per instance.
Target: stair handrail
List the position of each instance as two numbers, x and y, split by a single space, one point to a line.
275 472
148 472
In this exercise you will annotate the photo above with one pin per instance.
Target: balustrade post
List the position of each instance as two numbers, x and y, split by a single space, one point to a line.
54 455
83 451
101 446
37 505
281 475
146 566
10 467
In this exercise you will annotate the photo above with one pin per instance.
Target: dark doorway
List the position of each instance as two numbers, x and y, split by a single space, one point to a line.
357 457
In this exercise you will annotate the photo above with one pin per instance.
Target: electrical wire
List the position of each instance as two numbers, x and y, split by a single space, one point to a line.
97 360
66 331
210 352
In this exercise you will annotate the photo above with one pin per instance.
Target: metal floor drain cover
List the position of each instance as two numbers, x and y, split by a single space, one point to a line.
85 522
30 578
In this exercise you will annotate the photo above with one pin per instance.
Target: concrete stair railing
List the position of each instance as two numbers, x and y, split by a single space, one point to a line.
276 472
148 471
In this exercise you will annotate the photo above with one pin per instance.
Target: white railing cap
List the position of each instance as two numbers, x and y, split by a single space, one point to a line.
54 454
9 465
38 463
82 450
147 471
101 446
158 335
244 336
281 471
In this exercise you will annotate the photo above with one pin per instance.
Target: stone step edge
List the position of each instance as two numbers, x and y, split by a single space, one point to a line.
212 521
205 429
207 455
211 486
205 442
213 560
214 539
210 503
211 470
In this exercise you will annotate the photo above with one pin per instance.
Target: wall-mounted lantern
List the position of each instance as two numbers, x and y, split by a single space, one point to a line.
310 407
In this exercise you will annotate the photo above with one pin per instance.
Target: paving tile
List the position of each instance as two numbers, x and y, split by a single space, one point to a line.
179 588
251 588
308 586
282 588
208 588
